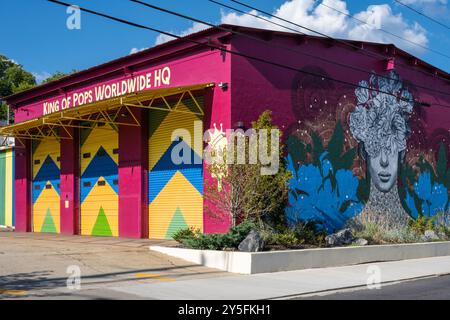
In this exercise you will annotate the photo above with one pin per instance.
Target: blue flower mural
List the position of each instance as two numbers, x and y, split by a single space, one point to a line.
427 191
317 193
433 196
324 188
331 183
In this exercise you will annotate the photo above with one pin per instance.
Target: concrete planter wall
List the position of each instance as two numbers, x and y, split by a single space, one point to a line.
262 262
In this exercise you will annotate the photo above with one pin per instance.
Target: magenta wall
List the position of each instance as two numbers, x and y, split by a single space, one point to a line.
217 111
69 183
189 66
258 86
22 188
133 167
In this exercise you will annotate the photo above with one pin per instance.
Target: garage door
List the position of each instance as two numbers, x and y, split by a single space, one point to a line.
99 181
175 190
46 180
6 188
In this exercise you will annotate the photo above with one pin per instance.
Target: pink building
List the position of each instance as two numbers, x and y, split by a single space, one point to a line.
366 128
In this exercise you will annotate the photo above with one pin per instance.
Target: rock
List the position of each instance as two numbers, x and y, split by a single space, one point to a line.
442 236
340 238
430 235
361 242
252 243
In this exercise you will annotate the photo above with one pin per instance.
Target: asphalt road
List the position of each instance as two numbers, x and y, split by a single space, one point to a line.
435 288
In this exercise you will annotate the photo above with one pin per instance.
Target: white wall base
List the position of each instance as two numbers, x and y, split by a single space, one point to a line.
273 261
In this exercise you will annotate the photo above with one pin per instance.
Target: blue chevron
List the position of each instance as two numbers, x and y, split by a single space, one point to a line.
159 179
165 169
166 163
99 167
49 171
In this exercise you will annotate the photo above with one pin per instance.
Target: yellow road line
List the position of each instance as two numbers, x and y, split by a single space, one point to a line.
13 292
153 276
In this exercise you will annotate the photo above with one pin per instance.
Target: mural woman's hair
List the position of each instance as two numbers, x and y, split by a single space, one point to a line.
380 120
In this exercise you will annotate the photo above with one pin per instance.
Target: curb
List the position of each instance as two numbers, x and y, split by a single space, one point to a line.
288 260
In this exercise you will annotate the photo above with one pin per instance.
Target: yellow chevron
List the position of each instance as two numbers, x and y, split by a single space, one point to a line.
104 136
178 193
46 148
100 196
48 198
160 140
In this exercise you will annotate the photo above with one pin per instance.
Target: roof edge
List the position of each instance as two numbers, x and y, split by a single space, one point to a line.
142 56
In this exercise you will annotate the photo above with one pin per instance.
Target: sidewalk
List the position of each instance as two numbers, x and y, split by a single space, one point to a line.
288 284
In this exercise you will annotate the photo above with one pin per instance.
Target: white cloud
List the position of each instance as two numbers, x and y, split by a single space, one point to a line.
41 76
136 50
195 28
382 17
325 20
305 13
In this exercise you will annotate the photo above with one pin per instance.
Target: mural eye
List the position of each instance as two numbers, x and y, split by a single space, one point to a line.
101 153
115 151
101 183
86 184
86 155
36 162
48 186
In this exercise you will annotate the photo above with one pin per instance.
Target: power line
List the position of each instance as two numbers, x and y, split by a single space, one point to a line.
382 30
301 52
422 14
223 49
371 53
271 44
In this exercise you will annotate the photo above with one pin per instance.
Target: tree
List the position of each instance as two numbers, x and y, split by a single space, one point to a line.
57 75
13 79
244 192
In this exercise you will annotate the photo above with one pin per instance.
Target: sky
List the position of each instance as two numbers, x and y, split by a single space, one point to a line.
34 33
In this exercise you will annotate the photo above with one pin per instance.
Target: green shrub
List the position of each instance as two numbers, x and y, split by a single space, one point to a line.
286 239
205 241
421 224
375 234
369 231
185 233
214 241
308 233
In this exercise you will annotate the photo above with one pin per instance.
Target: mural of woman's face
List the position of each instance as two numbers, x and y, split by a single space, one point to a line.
383 170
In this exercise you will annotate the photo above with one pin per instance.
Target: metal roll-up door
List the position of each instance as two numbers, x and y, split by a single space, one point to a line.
99 183
46 185
175 190
6 187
